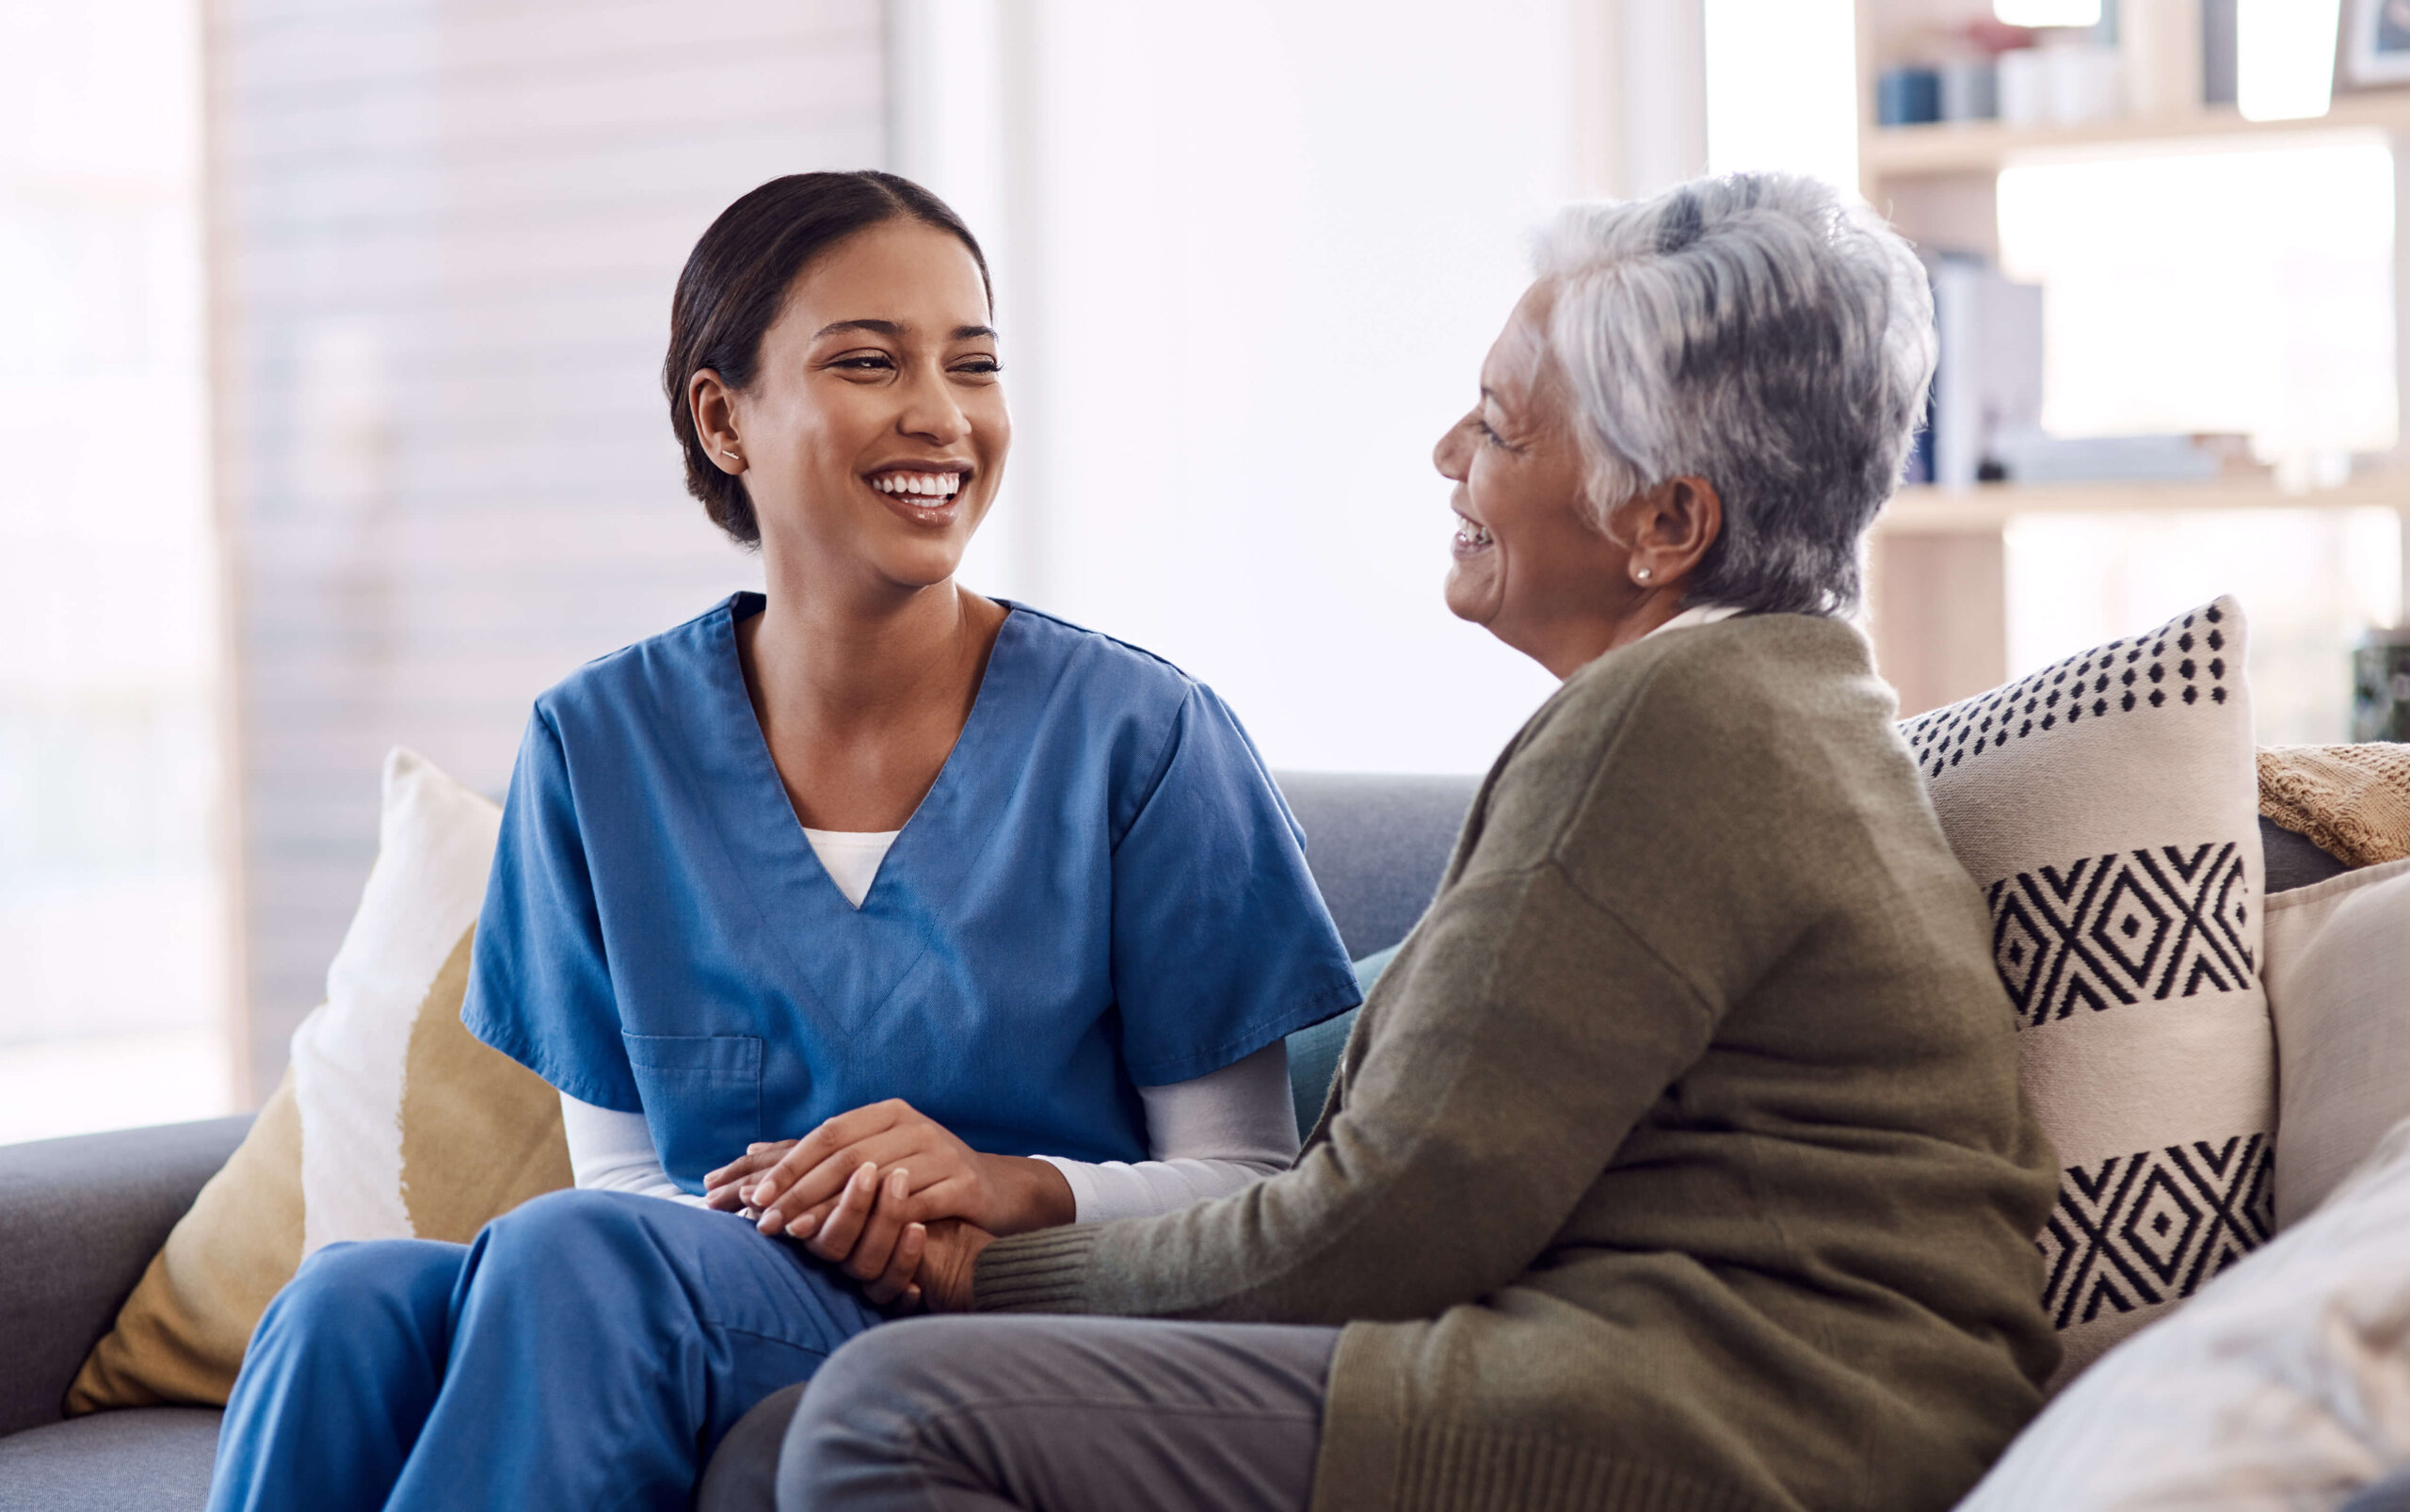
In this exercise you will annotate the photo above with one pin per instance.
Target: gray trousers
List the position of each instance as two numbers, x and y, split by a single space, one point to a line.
1047 1414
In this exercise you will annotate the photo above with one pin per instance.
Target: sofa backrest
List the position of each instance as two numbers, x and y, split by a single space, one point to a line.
1376 846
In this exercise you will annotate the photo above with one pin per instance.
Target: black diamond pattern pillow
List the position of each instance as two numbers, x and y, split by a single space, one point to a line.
2109 807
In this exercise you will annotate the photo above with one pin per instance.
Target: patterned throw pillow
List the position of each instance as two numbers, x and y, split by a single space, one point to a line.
394 1121
2109 807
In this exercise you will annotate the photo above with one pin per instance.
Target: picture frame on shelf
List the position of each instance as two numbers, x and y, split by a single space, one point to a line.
2376 44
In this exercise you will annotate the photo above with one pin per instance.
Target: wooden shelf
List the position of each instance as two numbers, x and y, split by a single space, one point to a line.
1983 510
1967 148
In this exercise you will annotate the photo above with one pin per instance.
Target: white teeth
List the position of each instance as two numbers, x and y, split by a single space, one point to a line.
927 485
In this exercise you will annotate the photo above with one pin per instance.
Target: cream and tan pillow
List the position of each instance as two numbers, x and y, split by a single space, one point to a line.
2109 807
393 1121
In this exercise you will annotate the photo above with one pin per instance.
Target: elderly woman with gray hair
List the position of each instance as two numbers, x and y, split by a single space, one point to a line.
1678 1159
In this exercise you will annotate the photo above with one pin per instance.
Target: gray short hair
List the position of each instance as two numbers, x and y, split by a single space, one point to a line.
1761 332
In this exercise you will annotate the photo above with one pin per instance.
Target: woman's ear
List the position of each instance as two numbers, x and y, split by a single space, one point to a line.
1668 528
714 408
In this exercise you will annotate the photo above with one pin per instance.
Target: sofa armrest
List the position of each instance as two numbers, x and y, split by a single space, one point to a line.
79 1220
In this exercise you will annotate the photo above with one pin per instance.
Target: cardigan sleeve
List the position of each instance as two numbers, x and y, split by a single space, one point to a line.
1521 1033
1467 1134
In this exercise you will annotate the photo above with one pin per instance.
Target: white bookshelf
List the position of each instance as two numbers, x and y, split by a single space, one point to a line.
1988 508
1889 154
1937 590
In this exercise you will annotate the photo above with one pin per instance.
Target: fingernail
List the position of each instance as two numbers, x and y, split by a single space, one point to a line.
801 1227
899 1182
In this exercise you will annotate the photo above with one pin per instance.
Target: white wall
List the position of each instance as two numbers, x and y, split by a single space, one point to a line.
1251 257
448 233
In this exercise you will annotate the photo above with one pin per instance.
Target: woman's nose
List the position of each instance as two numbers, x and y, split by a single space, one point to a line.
1449 456
930 412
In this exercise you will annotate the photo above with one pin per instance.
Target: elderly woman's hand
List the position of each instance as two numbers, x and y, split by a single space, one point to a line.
949 1261
918 1265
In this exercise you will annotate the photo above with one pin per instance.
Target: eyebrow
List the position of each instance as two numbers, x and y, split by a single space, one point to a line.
889 328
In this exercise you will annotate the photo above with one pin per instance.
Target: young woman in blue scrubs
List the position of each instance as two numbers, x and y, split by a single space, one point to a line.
835 912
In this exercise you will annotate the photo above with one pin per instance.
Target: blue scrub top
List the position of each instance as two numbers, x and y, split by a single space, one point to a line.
1103 891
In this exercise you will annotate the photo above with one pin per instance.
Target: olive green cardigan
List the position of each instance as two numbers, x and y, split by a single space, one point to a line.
1677 1161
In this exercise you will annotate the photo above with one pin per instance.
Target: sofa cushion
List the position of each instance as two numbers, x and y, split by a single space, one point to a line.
1314 1051
1377 846
157 1459
2339 990
2108 806
394 1121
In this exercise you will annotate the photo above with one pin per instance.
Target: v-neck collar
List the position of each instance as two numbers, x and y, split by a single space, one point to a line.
730 666
854 958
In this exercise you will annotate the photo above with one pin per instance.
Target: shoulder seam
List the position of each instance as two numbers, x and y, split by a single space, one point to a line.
1074 626
1698 999
620 652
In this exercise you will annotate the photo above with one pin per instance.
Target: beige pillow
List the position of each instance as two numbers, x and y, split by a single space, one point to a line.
393 1121
2338 989
2109 807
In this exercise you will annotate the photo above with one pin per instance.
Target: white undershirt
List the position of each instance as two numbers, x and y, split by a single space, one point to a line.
1208 1137
852 858
1704 614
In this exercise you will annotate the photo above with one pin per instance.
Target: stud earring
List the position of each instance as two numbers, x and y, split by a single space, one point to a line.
731 455
1639 574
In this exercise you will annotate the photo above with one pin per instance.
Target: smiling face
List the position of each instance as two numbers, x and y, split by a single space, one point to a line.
874 434
1530 567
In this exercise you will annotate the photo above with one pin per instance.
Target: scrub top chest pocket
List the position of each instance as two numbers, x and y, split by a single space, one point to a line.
702 1098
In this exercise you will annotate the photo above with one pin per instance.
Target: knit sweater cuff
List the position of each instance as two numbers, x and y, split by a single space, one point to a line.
1042 1272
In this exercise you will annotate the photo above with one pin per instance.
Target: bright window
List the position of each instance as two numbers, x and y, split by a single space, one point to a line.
2229 290
112 938
2220 290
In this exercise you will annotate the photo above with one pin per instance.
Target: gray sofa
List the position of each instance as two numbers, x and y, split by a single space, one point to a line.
80 1219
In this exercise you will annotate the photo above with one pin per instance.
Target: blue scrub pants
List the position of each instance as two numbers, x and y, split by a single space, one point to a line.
586 1353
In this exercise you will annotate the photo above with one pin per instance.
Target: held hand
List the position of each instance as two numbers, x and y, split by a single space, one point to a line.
798 1192
949 1261
867 1235
725 1189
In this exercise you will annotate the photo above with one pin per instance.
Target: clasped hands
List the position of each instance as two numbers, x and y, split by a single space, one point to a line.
892 1197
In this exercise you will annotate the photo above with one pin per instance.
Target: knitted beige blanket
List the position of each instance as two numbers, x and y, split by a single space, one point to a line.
2353 801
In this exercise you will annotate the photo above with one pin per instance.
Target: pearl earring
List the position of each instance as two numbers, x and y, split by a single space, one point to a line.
1639 574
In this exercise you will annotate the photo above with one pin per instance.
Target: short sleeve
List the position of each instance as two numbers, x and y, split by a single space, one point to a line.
540 988
1221 943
